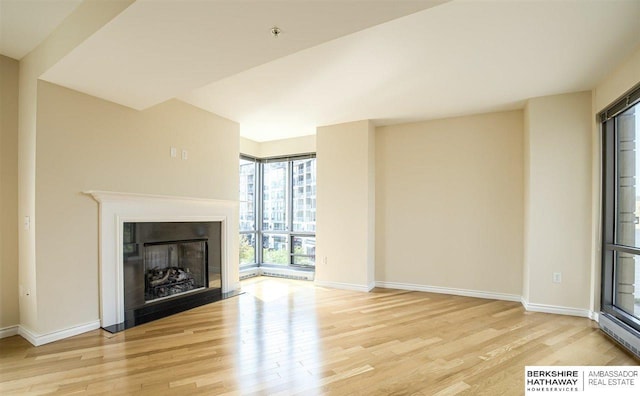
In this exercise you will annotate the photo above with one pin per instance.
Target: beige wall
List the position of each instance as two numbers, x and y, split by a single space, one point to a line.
85 143
558 177
9 309
345 205
249 147
371 205
616 83
86 19
278 148
527 193
450 203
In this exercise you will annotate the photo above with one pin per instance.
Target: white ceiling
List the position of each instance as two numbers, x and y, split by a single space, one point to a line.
338 61
455 59
26 23
155 50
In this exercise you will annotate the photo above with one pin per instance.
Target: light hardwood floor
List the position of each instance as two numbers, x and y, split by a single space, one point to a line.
290 337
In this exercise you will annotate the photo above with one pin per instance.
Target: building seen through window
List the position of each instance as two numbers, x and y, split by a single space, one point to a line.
278 212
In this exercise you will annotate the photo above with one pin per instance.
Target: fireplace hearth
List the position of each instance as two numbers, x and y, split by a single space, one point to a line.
169 267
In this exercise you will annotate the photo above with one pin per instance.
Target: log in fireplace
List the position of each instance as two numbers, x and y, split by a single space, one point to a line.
174 267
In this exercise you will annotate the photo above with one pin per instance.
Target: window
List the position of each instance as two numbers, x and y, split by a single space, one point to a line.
248 211
621 210
274 191
304 200
281 195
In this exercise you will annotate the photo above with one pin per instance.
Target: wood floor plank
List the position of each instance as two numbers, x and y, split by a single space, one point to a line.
286 337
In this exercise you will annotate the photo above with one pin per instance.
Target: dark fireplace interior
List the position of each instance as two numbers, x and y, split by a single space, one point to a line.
173 268
169 267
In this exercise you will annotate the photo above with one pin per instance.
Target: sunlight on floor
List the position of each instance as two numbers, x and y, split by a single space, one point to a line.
279 342
274 289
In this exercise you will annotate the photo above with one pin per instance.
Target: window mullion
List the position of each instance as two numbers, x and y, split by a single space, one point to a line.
259 210
289 214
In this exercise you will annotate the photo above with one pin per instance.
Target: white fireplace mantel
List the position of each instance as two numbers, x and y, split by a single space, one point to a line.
116 208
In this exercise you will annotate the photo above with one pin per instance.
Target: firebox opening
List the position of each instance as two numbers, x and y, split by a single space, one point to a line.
173 268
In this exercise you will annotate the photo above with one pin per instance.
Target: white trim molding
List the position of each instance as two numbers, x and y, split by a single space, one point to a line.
40 339
449 290
344 286
9 331
116 208
558 310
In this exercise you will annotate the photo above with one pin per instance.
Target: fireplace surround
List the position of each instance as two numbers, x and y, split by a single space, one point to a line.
169 267
118 210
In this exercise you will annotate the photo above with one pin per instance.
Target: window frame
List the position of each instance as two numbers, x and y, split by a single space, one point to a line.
288 232
256 210
610 190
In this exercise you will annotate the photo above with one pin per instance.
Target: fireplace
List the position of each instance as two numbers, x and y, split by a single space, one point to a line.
168 265
160 255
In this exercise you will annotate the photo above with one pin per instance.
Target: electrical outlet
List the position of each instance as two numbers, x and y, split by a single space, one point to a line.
557 277
324 260
173 152
185 155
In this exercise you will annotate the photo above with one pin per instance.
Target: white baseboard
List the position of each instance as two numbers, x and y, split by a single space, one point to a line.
558 310
9 331
448 290
29 335
41 339
553 309
344 286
